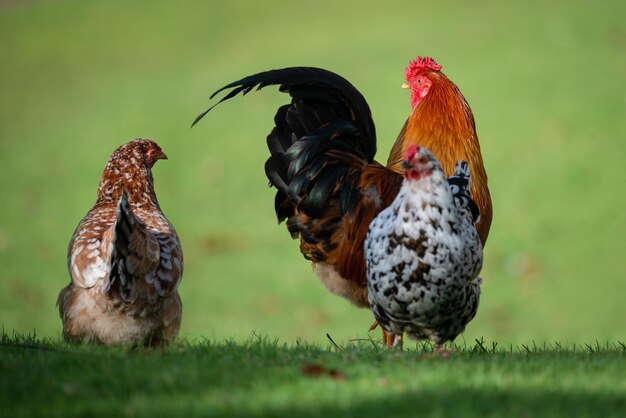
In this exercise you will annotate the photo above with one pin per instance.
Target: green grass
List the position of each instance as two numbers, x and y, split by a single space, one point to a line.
263 378
546 82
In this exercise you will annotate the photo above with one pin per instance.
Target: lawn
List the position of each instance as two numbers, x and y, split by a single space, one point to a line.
264 378
546 82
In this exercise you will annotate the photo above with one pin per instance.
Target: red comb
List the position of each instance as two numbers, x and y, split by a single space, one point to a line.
421 64
410 152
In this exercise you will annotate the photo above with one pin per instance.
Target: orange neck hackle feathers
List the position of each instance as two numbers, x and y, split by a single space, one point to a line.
443 122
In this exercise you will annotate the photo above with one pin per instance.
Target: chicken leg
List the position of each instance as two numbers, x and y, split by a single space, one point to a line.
390 340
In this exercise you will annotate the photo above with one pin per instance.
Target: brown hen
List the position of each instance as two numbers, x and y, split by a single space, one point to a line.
125 259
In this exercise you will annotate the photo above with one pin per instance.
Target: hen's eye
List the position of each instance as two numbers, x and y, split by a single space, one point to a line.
419 81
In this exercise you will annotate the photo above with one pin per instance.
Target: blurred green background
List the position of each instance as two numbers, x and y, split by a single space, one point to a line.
546 82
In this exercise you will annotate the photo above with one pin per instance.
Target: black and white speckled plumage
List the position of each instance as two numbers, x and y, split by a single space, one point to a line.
424 255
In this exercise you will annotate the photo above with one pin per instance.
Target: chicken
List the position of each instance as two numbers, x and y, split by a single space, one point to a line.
322 147
423 254
125 260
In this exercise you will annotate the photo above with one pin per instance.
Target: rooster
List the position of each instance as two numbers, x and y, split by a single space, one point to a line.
423 254
322 148
125 260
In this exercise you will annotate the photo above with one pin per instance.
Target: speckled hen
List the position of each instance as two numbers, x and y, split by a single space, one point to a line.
125 259
423 253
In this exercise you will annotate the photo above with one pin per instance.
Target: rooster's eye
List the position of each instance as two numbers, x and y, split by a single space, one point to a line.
419 81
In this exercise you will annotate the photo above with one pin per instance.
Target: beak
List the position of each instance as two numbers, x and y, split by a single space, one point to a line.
406 86
160 155
155 155
405 165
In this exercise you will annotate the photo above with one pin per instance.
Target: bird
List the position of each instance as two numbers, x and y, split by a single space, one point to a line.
125 259
424 255
322 149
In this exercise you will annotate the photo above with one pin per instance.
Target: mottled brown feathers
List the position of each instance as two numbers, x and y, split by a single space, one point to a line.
124 259
130 168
